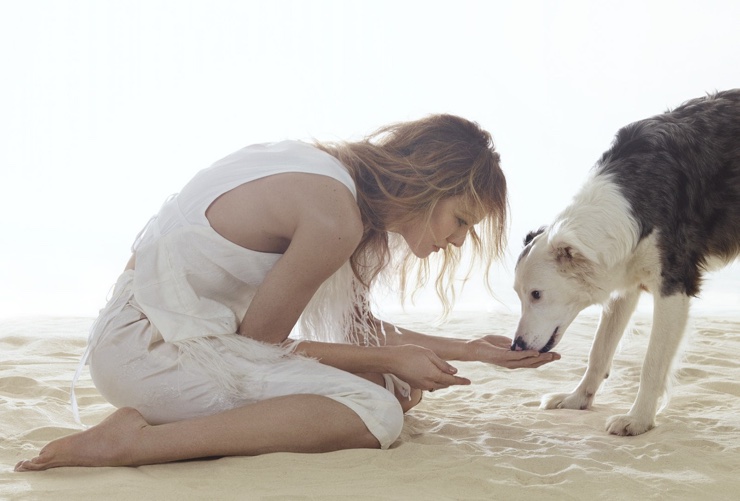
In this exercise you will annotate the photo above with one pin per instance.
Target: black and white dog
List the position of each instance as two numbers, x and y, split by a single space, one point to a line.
661 207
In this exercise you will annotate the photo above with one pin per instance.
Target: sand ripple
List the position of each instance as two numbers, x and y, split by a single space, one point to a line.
489 440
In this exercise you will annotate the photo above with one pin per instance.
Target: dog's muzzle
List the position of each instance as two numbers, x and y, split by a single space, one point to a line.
520 345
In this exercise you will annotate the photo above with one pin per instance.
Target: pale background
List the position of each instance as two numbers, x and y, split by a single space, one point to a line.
108 107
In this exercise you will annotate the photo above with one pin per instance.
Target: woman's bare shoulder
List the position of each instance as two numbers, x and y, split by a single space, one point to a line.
265 214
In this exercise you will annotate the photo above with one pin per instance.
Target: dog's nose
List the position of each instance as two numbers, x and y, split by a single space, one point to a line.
518 344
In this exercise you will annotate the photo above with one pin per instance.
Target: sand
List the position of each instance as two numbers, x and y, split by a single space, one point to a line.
486 441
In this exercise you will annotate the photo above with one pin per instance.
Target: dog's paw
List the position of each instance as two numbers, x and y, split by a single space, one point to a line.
626 425
573 400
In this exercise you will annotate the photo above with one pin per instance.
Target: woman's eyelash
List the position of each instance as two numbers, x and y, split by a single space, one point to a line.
462 222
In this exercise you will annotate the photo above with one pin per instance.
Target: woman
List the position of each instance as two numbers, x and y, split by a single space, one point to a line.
194 346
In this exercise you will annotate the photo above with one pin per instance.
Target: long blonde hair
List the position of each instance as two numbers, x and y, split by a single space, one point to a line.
402 171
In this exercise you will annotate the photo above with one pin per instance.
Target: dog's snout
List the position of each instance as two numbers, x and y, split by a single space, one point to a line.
519 344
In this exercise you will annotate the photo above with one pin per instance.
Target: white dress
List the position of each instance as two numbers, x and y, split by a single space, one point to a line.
166 342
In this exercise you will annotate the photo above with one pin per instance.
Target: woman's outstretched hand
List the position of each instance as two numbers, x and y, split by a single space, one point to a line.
497 350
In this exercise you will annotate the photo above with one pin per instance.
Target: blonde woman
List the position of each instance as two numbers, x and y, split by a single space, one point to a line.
194 348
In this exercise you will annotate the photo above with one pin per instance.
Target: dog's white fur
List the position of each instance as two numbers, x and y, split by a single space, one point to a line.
592 255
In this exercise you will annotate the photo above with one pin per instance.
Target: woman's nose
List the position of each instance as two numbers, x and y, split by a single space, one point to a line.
458 237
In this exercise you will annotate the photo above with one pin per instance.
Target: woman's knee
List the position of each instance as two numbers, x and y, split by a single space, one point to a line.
390 416
408 403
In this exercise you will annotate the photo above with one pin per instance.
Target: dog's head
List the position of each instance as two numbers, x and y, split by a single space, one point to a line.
554 282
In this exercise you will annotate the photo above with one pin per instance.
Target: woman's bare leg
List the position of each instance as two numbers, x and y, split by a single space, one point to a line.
295 423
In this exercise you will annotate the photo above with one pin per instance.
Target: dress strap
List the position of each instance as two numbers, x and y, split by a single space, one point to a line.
392 383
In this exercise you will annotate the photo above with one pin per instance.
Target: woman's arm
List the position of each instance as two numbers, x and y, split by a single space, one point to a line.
312 220
317 249
445 348
490 349
418 366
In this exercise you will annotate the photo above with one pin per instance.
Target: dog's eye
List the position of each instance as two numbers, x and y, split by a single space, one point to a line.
536 294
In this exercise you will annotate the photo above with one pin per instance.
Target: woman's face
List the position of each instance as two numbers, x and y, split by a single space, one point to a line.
449 224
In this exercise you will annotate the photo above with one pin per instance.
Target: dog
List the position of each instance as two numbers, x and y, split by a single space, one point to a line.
661 207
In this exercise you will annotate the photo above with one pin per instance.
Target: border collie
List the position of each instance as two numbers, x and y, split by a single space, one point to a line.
661 207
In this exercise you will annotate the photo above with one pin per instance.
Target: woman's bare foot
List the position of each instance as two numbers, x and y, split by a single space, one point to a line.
106 444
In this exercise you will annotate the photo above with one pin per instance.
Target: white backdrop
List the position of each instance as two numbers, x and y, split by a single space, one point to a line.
107 107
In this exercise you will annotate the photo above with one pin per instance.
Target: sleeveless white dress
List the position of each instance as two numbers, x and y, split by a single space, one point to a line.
166 342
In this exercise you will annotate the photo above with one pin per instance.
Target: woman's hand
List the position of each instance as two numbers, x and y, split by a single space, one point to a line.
497 350
422 369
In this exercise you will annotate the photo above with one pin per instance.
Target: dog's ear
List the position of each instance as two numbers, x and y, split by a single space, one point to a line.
530 236
568 247
571 260
565 254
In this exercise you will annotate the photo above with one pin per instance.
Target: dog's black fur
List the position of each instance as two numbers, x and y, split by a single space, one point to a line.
680 172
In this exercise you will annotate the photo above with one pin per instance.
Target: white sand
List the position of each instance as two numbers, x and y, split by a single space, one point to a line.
486 441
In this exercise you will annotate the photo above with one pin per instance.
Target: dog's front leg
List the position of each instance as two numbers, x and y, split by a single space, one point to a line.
614 318
669 322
